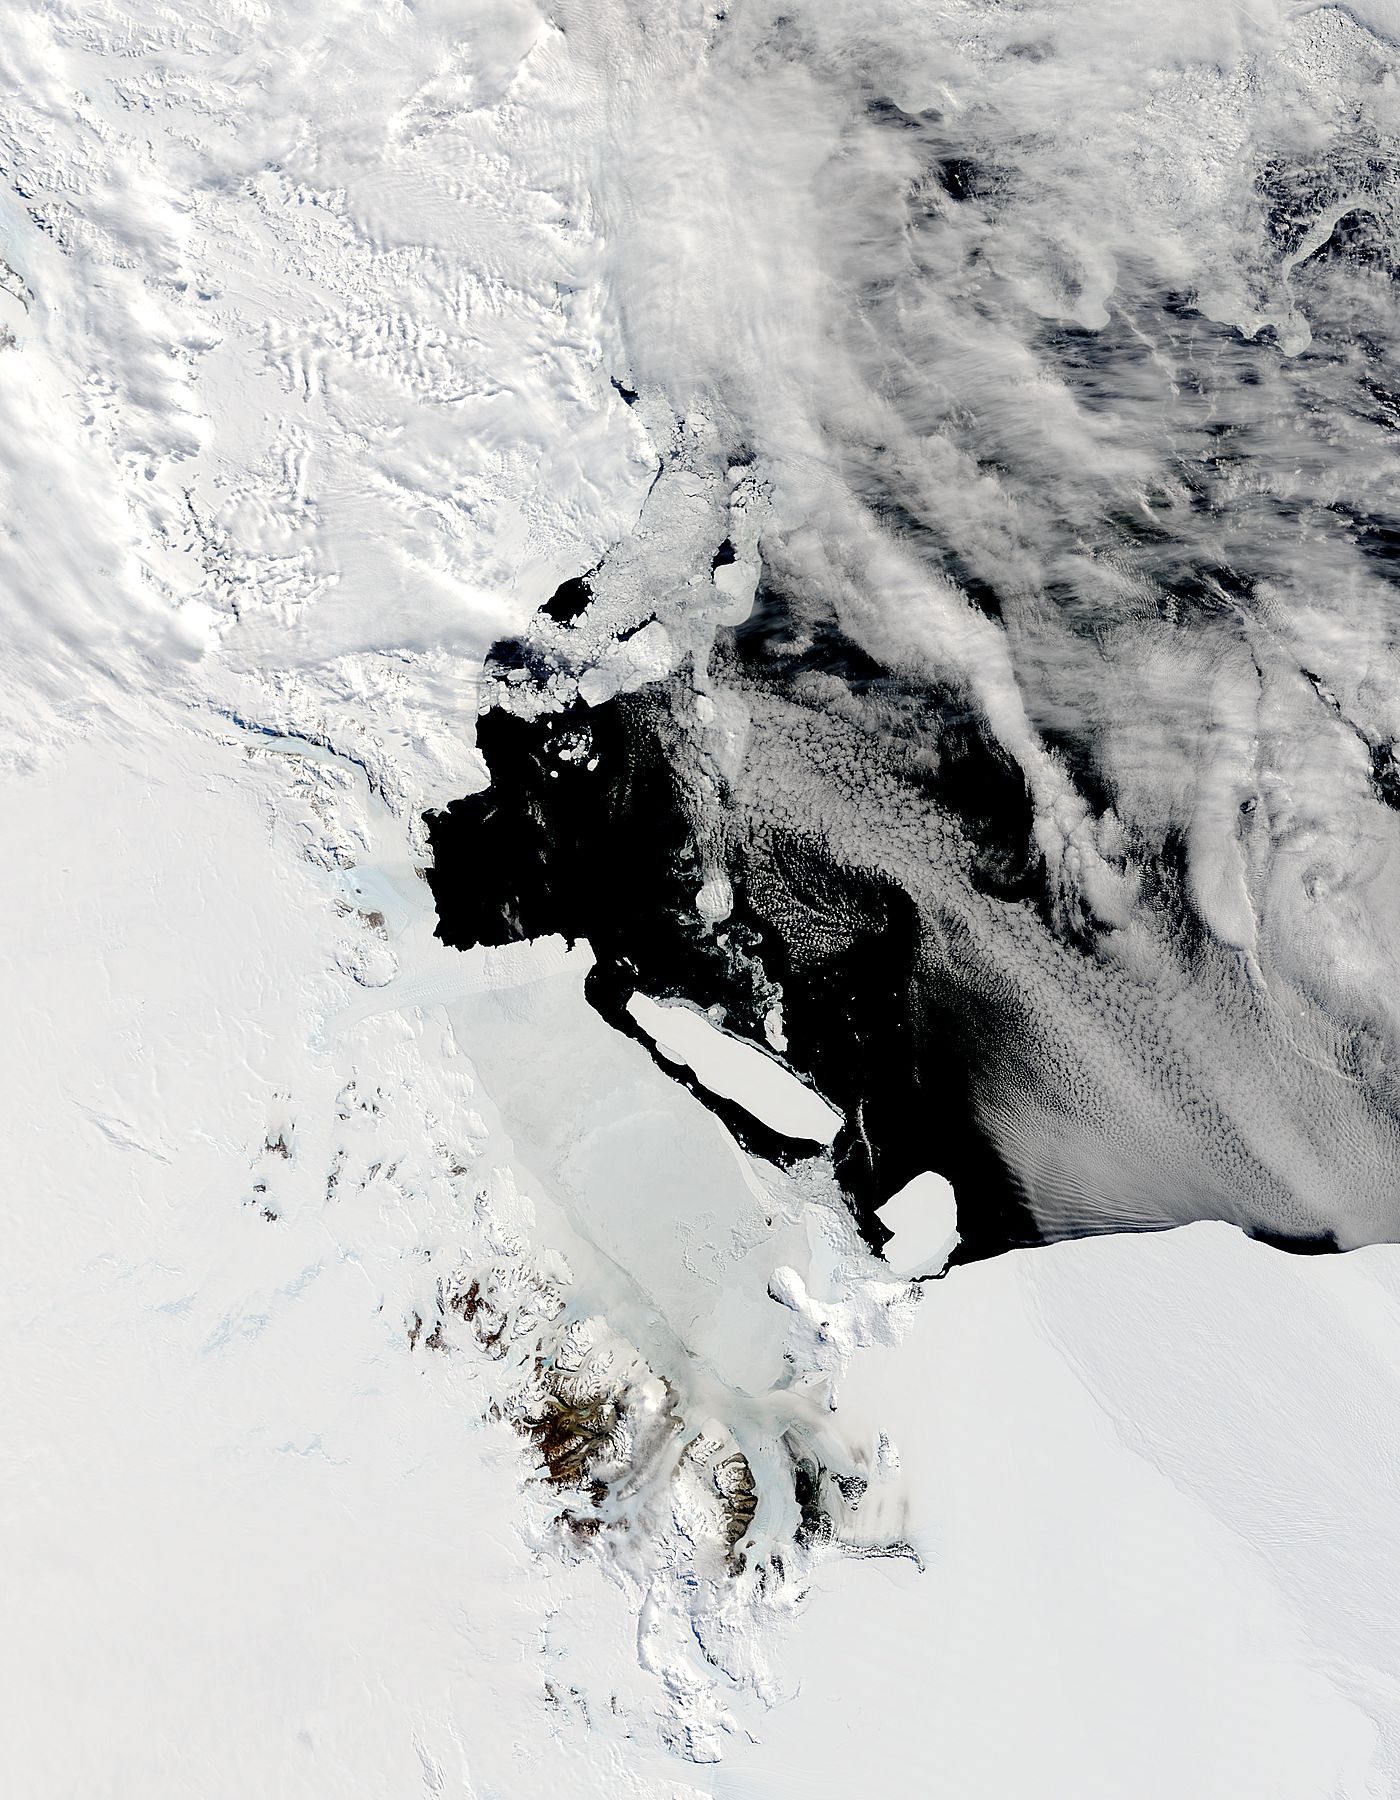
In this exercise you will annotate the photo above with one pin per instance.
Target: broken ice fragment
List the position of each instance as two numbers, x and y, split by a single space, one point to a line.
737 1071
923 1216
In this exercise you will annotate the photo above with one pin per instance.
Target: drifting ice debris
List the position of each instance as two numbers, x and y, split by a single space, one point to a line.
737 1071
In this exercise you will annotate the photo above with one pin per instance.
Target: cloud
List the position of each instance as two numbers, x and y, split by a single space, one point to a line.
1059 339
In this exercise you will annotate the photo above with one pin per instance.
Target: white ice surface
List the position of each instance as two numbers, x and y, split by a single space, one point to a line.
256 1543
737 1071
253 1546
308 401
1149 1480
923 1216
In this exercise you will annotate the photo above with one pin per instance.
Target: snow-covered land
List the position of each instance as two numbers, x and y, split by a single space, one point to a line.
407 1386
263 1535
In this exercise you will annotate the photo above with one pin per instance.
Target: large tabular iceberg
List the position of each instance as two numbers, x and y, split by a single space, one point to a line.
666 671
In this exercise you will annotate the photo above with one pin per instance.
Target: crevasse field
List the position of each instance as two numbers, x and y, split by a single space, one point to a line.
416 1384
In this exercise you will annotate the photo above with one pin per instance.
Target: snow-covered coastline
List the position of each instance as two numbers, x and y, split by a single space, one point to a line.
243 1488
408 1388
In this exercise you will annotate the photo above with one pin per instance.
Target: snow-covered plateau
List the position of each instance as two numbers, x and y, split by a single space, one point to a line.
410 1385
